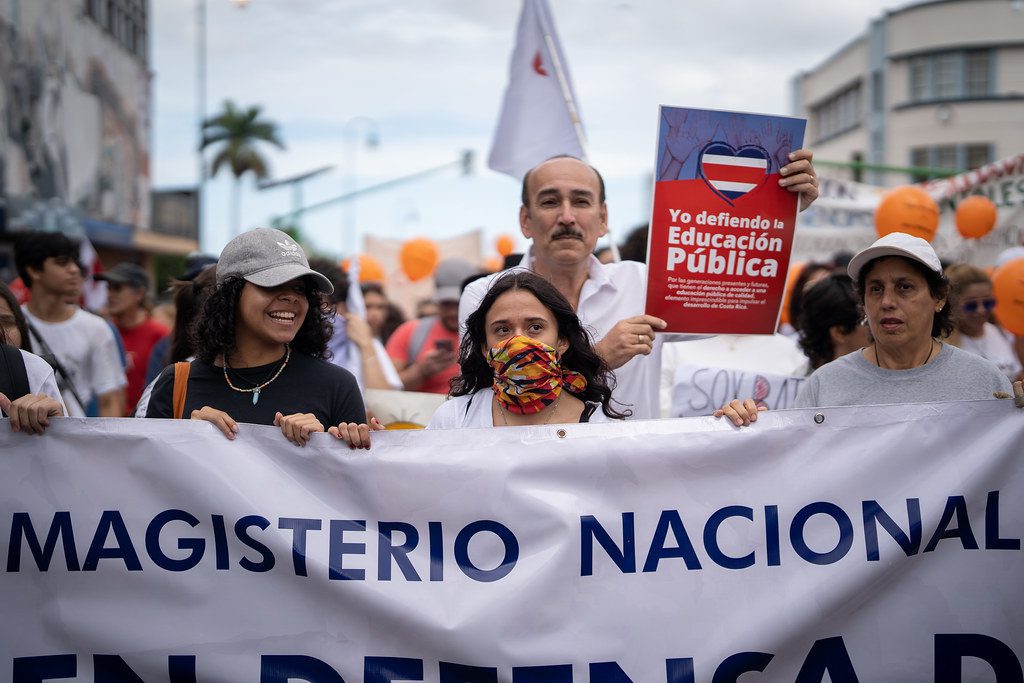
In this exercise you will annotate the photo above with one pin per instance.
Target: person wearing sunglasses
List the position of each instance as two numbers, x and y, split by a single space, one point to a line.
975 331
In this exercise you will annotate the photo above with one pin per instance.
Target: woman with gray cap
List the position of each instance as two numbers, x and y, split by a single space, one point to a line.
260 343
905 297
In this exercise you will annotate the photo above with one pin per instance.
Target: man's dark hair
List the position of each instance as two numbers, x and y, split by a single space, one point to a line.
830 302
579 357
214 331
635 246
31 249
525 195
372 288
938 287
333 272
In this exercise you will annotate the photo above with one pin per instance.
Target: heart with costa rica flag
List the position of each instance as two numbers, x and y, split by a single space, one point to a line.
731 172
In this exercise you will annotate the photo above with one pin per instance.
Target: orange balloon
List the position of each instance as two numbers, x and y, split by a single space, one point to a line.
975 217
794 274
1008 288
370 269
418 258
907 209
505 245
493 264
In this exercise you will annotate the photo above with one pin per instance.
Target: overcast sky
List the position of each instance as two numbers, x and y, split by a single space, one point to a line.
430 74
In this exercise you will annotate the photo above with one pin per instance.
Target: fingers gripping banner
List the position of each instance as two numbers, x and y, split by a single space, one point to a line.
868 544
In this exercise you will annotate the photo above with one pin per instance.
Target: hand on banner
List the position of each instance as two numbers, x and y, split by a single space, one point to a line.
1018 394
31 413
742 413
356 435
219 419
800 176
630 337
298 426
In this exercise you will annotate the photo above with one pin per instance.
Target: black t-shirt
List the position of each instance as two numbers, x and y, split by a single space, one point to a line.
306 385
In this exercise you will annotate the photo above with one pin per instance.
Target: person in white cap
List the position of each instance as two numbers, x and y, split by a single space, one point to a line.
906 298
261 339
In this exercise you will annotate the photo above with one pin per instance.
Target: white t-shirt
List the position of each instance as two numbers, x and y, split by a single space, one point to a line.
40 378
612 292
992 345
85 345
474 411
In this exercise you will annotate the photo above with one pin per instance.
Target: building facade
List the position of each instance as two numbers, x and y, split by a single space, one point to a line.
934 86
75 126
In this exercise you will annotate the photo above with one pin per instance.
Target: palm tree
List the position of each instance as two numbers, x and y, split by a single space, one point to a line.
238 132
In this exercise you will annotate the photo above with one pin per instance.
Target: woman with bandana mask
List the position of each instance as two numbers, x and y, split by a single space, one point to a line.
526 360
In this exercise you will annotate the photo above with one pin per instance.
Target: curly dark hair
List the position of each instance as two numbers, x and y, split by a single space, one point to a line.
938 287
188 302
579 357
830 302
214 331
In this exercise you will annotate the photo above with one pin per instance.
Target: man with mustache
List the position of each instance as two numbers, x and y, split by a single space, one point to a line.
564 213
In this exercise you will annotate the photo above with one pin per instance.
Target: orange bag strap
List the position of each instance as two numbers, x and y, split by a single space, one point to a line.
180 387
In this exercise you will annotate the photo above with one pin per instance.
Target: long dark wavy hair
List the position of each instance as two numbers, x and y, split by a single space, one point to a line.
938 286
579 356
830 302
19 317
188 302
214 331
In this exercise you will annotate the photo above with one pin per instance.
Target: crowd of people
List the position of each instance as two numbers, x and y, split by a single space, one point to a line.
261 335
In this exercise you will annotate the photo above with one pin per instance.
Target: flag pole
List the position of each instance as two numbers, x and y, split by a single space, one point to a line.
570 104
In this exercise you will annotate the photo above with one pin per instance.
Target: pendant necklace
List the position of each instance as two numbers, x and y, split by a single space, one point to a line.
255 391
931 350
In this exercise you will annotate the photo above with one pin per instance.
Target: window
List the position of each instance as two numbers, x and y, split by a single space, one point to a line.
124 20
951 75
949 158
978 155
977 73
839 113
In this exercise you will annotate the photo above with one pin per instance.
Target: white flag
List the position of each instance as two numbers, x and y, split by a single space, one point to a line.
537 122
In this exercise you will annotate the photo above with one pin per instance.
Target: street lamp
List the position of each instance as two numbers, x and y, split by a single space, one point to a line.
201 102
370 136
295 182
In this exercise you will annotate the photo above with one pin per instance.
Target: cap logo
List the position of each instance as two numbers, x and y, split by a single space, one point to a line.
289 249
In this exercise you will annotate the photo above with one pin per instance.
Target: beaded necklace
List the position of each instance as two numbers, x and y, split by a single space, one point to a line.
255 391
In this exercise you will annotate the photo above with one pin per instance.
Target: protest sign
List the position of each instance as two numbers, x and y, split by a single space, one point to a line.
721 227
867 544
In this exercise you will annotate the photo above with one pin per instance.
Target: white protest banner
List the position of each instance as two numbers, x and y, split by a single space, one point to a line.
402 409
843 217
701 390
868 544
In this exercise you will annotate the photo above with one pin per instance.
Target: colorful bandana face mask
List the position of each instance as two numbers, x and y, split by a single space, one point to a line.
528 375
